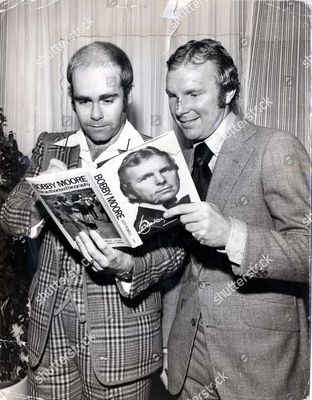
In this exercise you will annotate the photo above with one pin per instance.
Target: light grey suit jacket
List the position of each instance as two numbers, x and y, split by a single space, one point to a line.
256 335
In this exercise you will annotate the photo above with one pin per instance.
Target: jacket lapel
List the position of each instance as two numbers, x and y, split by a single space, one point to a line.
188 156
234 154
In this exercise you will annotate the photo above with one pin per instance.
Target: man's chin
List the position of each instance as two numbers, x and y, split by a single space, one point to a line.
167 199
100 137
194 136
190 133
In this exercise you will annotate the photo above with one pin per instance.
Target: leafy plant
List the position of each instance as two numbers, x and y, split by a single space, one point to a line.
14 275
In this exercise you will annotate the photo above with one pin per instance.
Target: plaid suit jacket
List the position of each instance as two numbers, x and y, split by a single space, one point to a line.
256 331
125 330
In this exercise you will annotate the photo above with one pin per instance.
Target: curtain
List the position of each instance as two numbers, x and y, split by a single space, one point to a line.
278 67
215 19
3 26
271 46
42 35
269 42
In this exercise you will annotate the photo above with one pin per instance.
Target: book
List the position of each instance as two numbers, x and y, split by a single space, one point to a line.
125 198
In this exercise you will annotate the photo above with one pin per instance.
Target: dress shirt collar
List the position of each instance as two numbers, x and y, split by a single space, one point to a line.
128 139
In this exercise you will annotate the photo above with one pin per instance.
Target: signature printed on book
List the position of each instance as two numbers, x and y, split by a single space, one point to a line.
146 225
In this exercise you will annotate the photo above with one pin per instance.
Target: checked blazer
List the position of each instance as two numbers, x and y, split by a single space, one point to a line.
125 330
257 334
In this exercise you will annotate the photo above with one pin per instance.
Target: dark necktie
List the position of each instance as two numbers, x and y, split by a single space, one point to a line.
201 173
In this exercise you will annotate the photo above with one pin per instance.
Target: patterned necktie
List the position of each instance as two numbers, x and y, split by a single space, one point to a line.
201 173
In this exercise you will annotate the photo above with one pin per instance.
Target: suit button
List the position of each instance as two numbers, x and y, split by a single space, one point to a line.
156 357
202 285
193 322
265 274
259 274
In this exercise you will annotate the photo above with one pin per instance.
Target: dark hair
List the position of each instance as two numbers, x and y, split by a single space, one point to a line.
135 158
100 54
198 52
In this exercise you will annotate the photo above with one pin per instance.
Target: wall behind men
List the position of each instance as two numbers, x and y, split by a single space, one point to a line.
268 41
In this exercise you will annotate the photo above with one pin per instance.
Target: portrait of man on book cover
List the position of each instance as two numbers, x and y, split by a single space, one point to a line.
150 178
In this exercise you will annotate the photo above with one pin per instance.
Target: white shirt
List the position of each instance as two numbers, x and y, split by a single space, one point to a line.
128 139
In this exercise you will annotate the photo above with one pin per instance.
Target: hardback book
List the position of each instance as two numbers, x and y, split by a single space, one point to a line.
125 198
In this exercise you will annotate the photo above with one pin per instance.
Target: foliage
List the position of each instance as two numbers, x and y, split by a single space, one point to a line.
14 280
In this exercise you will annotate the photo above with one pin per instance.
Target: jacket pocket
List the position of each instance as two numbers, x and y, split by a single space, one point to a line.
272 316
147 304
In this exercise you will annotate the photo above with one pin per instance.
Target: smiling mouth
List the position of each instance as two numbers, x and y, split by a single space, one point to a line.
97 126
168 189
188 122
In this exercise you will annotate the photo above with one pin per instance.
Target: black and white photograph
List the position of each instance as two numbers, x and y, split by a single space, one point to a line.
147 181
183 127
81 211
150 178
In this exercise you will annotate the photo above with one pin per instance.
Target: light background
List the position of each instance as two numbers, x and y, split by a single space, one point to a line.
269 41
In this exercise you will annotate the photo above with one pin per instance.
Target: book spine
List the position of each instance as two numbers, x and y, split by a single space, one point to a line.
109 201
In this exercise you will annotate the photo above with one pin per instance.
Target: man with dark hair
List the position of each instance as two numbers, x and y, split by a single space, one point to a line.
237 322
85 340
150 177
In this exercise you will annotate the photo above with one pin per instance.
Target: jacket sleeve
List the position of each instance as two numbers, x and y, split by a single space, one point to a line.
171 290
156 260
285 179
15 212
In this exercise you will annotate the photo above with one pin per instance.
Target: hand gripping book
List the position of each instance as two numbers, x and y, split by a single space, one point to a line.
125 198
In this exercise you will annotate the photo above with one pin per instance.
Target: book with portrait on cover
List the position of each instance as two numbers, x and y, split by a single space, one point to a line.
123 199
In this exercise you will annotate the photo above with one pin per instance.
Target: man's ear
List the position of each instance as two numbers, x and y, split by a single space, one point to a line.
229 96
130 95
132 197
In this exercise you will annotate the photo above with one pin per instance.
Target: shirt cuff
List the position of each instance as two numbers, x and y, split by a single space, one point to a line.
35 230
125 285
235 246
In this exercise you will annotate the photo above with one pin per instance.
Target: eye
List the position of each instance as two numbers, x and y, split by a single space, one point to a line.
166 169
171 95
145 177
109 100
82 101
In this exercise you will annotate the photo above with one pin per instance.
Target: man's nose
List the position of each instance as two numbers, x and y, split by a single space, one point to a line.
159 178
96 113
181 107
